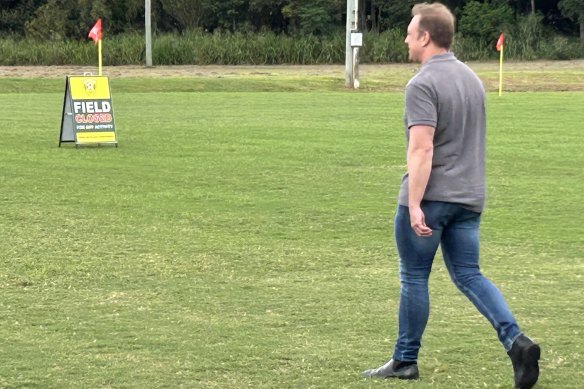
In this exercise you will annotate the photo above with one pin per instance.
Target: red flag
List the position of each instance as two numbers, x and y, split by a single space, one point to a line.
95 32
500 42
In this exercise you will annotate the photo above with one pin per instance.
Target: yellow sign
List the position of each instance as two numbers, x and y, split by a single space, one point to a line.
96 137
89 88
88 115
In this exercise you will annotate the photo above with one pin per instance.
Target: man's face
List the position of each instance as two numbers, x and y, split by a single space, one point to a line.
414 40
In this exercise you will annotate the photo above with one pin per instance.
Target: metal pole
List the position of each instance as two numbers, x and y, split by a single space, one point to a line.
147 21
355 53
348 49
352 26
355 67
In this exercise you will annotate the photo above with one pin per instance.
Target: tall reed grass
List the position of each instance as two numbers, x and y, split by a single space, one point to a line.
200 48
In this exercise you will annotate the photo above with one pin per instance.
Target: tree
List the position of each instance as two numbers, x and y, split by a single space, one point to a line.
188 13
232 14
485 21
394 14
88 11
14 14
50 21
267 14
574 9
128 15
315 17
71 18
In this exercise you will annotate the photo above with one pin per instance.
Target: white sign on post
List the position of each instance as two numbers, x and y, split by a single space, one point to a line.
356 39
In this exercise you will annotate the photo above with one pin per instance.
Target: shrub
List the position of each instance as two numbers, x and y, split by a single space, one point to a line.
387 46
562 48
526 41
526 37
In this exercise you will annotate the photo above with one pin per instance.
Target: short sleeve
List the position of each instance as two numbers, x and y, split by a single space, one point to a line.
421 106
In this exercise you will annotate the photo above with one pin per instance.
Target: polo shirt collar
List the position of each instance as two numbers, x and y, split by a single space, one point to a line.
441 57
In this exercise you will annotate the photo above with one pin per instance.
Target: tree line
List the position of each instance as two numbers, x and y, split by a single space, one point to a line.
264 32
59 19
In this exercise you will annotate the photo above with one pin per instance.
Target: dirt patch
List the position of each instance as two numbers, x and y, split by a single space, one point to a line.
518 76
181 71
278 70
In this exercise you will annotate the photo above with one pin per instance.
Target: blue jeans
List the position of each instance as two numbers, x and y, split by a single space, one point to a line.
456 230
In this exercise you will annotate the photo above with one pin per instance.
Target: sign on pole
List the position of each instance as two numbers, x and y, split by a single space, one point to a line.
88 115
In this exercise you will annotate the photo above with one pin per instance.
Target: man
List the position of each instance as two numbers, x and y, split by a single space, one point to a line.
442 196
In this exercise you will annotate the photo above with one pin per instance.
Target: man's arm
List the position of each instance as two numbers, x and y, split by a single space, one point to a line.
420 152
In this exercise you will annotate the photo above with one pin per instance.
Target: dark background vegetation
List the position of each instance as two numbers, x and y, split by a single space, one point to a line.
278 31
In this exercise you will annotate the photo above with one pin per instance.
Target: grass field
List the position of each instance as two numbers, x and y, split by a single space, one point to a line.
241 237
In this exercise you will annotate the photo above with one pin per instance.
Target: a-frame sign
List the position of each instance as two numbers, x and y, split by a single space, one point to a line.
88 115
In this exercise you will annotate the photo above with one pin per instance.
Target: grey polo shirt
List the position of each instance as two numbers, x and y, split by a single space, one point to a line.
447 95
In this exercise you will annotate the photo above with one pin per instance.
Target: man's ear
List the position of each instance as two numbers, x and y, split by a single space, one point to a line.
425 38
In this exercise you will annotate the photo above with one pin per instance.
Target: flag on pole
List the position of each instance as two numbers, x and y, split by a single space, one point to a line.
95 32
500 47
500 41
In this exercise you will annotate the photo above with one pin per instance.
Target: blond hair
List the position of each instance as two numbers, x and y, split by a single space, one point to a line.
437 19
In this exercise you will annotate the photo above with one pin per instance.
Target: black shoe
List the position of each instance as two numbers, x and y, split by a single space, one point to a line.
524 355
390 370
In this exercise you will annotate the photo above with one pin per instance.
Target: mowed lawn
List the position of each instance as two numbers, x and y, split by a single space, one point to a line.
244 239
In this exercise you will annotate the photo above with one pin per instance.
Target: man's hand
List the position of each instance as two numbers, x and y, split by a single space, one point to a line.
418 222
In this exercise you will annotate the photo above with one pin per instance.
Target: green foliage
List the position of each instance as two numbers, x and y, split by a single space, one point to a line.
122 49
472 49
291 16
316 17
11 21
485 21
394 14
258 49
88 12
387 46
225 48
127 16
50 21
231 15
315 40
188 14
573 9
62 19
13 18
526 37
71 19
562 48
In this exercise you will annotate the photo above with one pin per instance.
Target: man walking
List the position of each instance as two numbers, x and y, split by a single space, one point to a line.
442 196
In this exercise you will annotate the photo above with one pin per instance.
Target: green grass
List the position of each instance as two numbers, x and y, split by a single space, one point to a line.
244 239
